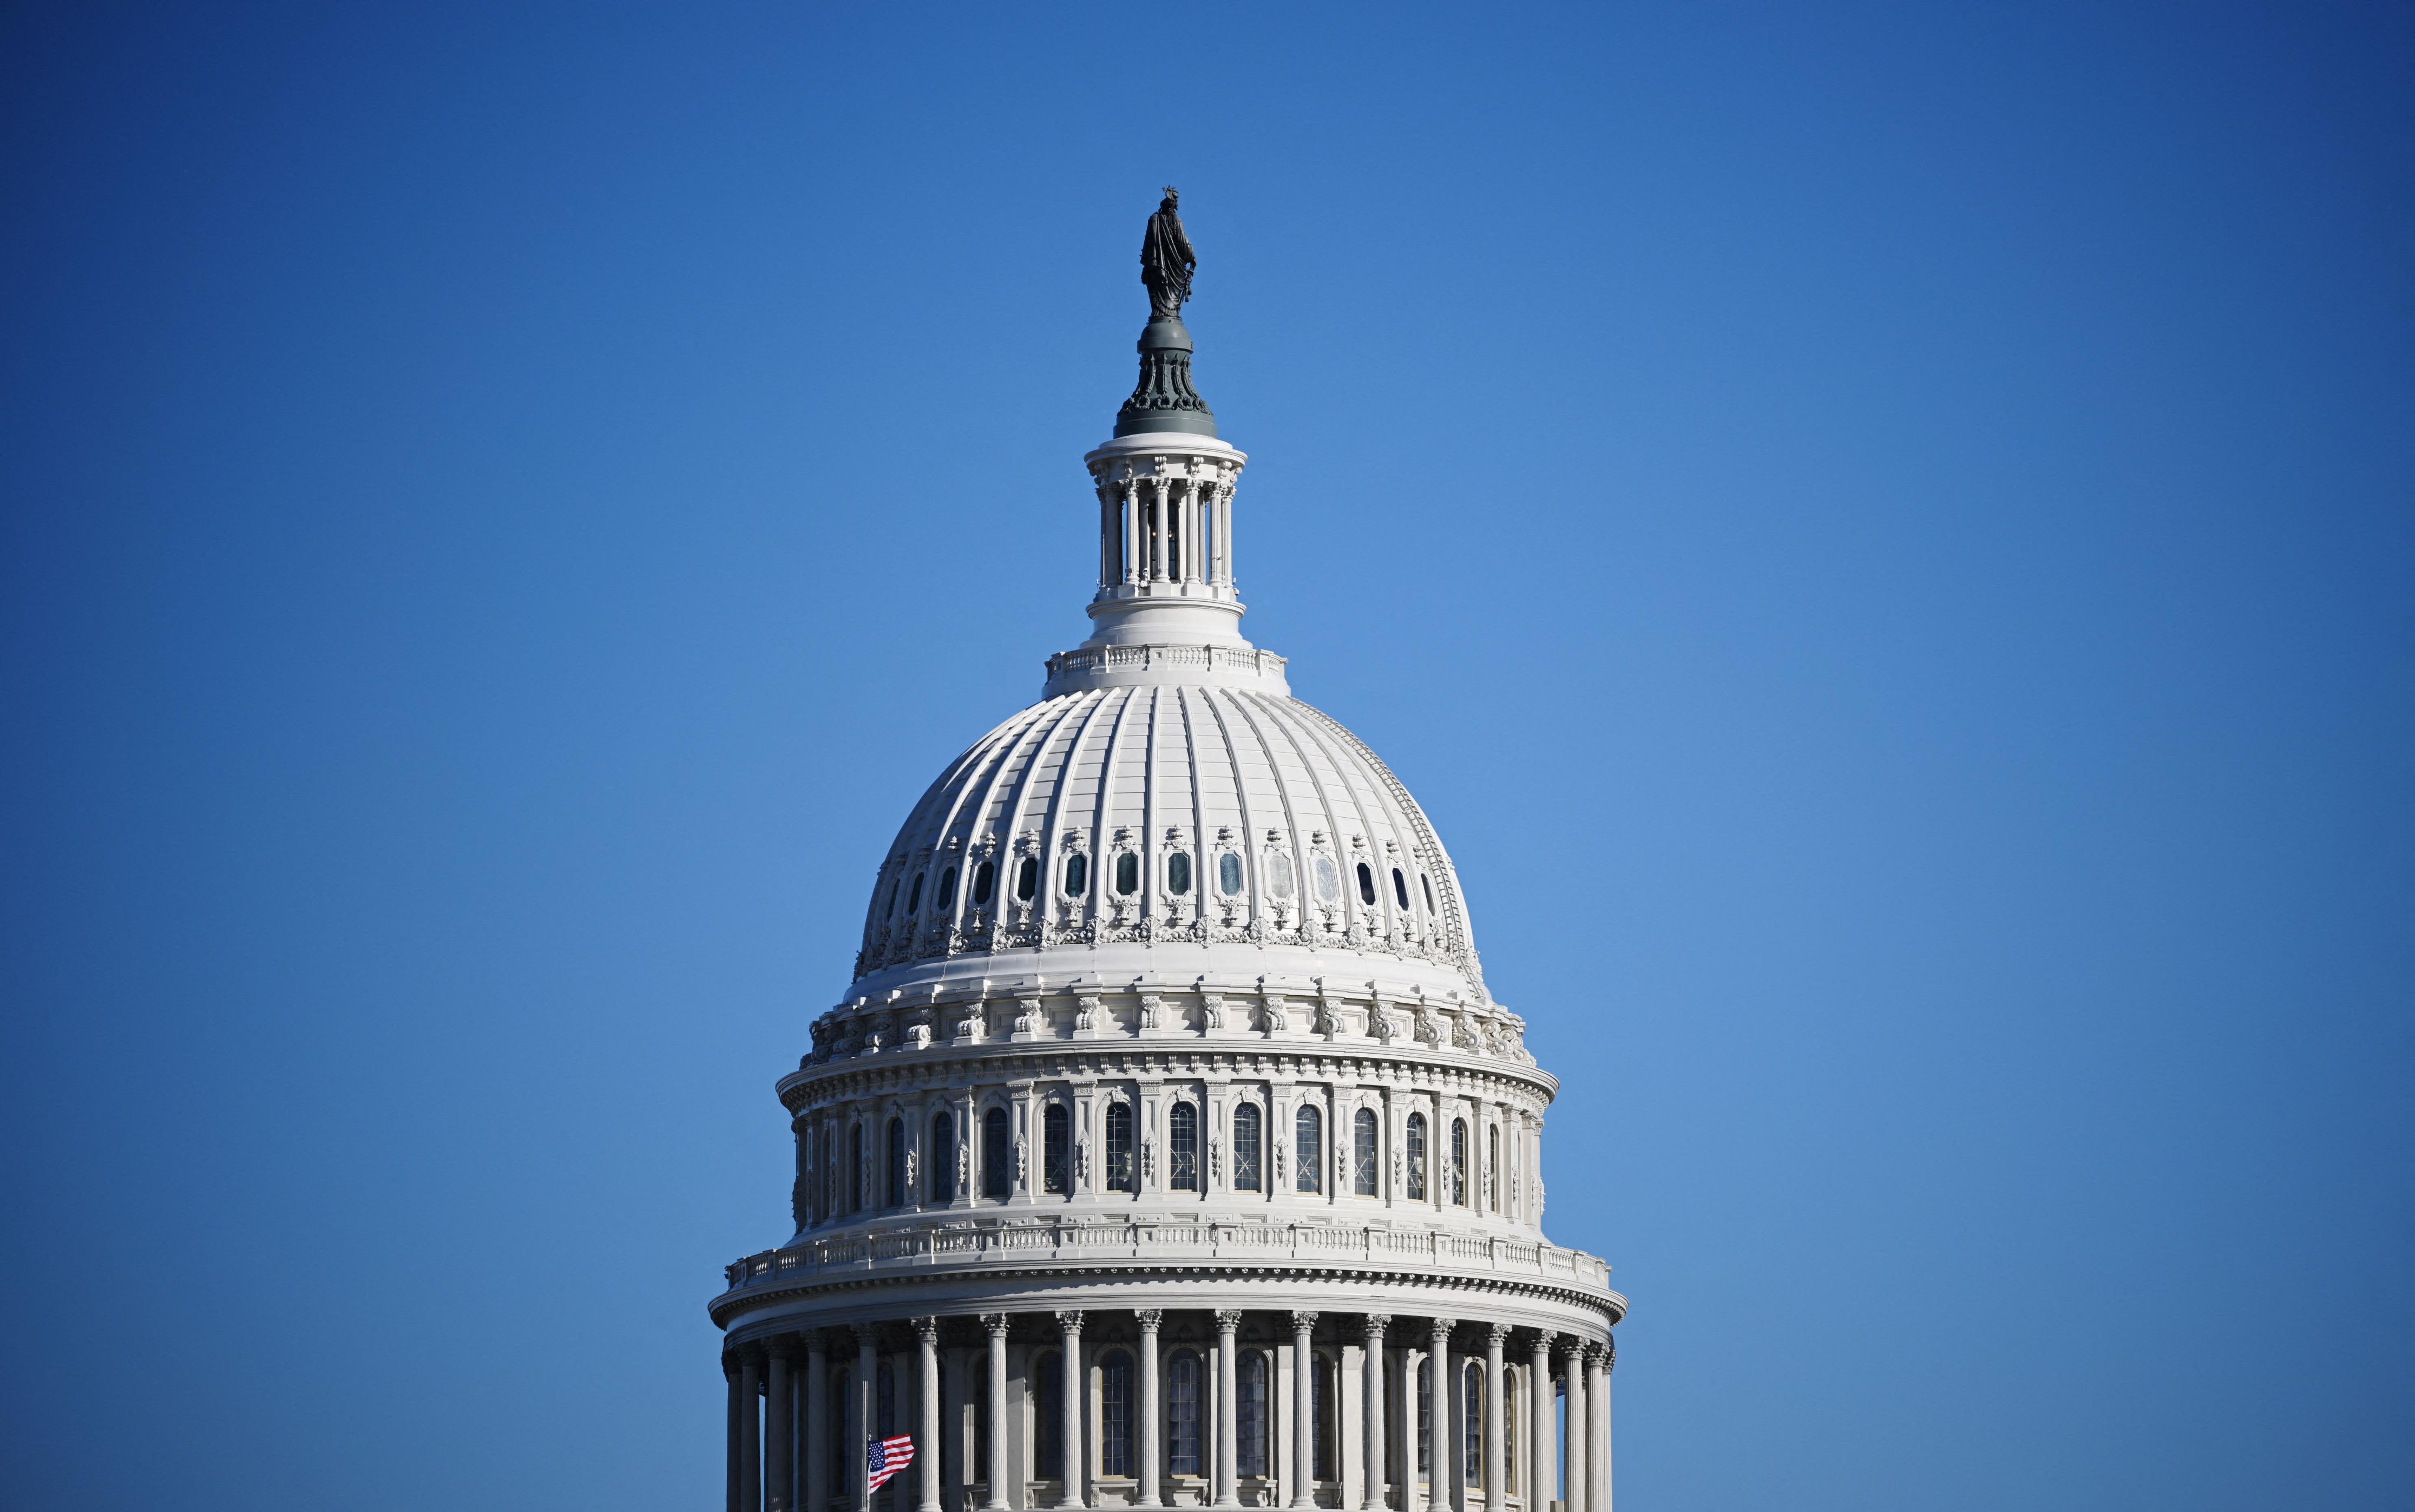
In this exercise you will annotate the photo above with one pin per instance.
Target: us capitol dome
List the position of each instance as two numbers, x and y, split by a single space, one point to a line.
1167 1149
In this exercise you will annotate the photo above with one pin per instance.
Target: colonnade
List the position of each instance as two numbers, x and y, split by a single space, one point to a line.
804 1405
1165 529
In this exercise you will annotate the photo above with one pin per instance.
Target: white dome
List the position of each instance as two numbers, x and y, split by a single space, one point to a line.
1149 830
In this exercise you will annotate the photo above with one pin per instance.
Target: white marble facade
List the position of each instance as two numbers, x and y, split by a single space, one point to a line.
1168 1053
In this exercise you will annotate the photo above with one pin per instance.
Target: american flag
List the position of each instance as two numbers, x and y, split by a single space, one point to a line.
884 1457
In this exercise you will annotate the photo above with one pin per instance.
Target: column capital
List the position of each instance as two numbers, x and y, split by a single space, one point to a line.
1573 1350
1609 1356
1149 1319
1443 1326
1228 1320
996 1323
1543 1339
1497 1334
927 1329
1302 1320
1377 1322
867 1335
1071 1322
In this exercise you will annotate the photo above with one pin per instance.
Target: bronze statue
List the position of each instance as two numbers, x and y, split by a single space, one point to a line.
1166 260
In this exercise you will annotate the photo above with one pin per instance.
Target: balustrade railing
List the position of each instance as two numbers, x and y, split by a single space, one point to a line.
972 1243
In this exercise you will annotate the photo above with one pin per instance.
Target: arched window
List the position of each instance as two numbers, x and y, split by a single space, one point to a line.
1363 1152
1251 1420
1416 1152
1127 874
1026 878
1077 874
1048 1385
948 889
997 1156
943 1158
1182 1415
855 1168
1366 885
914 895
1228 875
1493 1167
1115 1414
1279 874
1177 872
1400 889
1459 1162
1245 1147
889 909
1471 1424
1427 882
1329 883
984 883
1123 1172
1182 1142
1509 1424
1057 1150
896 1162
1424 1471
1308 1148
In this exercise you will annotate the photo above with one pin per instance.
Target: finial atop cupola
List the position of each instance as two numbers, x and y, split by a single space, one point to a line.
1164 400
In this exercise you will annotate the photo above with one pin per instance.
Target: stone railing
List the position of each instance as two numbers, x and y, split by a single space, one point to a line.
1072 669
940 1247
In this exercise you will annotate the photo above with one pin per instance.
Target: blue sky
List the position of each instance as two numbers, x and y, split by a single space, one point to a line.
1880 533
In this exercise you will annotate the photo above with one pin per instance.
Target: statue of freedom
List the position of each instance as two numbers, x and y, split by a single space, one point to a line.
1166 260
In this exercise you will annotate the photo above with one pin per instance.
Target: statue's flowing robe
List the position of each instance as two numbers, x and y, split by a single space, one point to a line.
1165 263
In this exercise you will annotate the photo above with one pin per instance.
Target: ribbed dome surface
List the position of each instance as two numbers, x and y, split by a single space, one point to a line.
1165 816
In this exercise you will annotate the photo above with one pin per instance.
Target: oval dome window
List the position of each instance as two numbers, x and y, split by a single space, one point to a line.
984 882
1328 882
1366 885
1229 874
1077 874
1178 873
1127 874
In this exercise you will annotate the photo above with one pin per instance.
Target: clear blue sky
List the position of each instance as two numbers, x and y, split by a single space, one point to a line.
1880 533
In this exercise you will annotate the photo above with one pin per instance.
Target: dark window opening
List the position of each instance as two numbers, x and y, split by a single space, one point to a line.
1027 878
896 1162
1308 1126
1115 1414
1362 1141
1178 873
855 1169
1252 1417
1229 874
1416 1153
1057 1150
997 1156
1400 889
1048 1384
914 895
1077 874
1366 885
948 888
943 1158
1127 874
1427 882
985 881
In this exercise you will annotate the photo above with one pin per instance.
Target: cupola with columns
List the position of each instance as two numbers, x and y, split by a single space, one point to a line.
1167 1148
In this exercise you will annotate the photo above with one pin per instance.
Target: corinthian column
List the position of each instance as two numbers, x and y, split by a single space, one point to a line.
1148 1319
817 1435
1496 1422
865 1389
1303 1410
996 1470
779 1426
750 1432
1545 1457
1580 1425
1605 1361
1371 1431
1069 1372
1229 1404
926 1333
1441 1424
